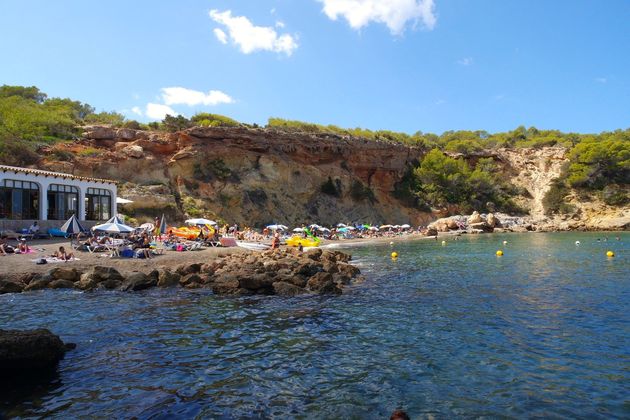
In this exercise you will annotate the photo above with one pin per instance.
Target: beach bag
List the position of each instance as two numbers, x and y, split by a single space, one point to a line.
180 248
126 253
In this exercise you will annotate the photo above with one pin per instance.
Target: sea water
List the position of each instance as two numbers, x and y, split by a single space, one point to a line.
443 331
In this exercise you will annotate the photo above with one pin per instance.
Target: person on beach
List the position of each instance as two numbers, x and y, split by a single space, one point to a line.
22 248
4 246
275 242
63 255
34 228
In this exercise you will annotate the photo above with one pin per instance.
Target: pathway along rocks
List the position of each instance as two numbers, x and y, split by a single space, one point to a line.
286 272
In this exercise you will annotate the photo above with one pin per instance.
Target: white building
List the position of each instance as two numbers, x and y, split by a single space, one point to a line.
32 194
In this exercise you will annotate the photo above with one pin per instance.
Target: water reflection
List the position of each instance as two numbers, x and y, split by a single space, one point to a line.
443 331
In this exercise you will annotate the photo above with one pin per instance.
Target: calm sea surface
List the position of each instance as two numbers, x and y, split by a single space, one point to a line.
445 332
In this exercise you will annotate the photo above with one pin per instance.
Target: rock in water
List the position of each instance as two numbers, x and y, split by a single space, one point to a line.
30 350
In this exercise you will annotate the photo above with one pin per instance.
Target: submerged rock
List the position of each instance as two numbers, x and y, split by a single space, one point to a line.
32 349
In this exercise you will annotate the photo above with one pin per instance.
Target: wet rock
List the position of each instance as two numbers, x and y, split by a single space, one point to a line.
191 281
39 282
61 284
282 288
7 286
323 283
168 279
139 281
226 285
186 269
99 274
30 350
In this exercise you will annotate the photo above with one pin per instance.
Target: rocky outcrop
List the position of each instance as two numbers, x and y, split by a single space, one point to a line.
286 272
30 350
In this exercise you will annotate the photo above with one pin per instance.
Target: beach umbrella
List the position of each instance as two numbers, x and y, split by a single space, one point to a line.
341 225
277 227
374 229
116 219
385 227
323 229
113 228
343 230
72 226
314 226
120 200
405 226
201 222
162 225
298 230
350 228
147 227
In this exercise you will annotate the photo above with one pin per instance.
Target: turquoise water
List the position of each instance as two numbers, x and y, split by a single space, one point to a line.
444 332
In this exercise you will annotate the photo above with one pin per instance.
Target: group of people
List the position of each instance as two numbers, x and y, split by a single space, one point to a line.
20 248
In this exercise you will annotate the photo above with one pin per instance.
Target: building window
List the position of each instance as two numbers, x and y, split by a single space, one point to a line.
19 200
63 201
98 204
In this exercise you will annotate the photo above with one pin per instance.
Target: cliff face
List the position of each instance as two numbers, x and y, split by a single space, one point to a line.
260 176
249 176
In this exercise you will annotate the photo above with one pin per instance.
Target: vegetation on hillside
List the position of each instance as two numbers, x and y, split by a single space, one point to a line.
599 163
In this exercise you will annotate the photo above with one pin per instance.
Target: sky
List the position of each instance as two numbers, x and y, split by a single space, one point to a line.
401 65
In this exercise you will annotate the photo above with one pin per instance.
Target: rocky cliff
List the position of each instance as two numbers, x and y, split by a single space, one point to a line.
259 176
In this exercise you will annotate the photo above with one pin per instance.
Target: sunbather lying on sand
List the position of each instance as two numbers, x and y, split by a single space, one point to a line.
62 254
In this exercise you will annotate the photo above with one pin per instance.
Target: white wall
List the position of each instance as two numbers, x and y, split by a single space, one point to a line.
44 181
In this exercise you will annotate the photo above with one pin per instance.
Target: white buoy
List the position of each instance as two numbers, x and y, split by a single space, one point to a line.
577 243
391 243
504 242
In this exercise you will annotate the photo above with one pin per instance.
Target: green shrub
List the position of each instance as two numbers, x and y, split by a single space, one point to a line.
213 169
614 195
330 188
554 200
361 192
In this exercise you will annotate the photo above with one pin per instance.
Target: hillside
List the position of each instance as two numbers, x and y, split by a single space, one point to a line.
258 176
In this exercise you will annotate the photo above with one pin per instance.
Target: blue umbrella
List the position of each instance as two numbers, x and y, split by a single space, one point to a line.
72 226
116 219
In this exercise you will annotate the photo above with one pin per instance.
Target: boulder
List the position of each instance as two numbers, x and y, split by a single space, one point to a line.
475 217
168 279
226 285
63 273
431 231
134 151
348 270
7 286
191 281
99 274
323 283
39 282
138 281
313 254
308 268
451 224
30 350
61 284
282 288
126 133
492 220
186 269
256 281
99 132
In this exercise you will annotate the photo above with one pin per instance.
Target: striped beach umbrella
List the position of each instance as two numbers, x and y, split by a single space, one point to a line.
72 226
116 219
113 228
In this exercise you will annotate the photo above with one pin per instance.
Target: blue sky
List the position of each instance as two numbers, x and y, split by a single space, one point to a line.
403 65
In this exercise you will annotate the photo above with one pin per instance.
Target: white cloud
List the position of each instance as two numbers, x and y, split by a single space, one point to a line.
393 13
601 80
280 24
159 111
183 96
136 110
466 61
250 38
221 36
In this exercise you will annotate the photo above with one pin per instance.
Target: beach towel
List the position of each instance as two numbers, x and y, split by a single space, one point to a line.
50 260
